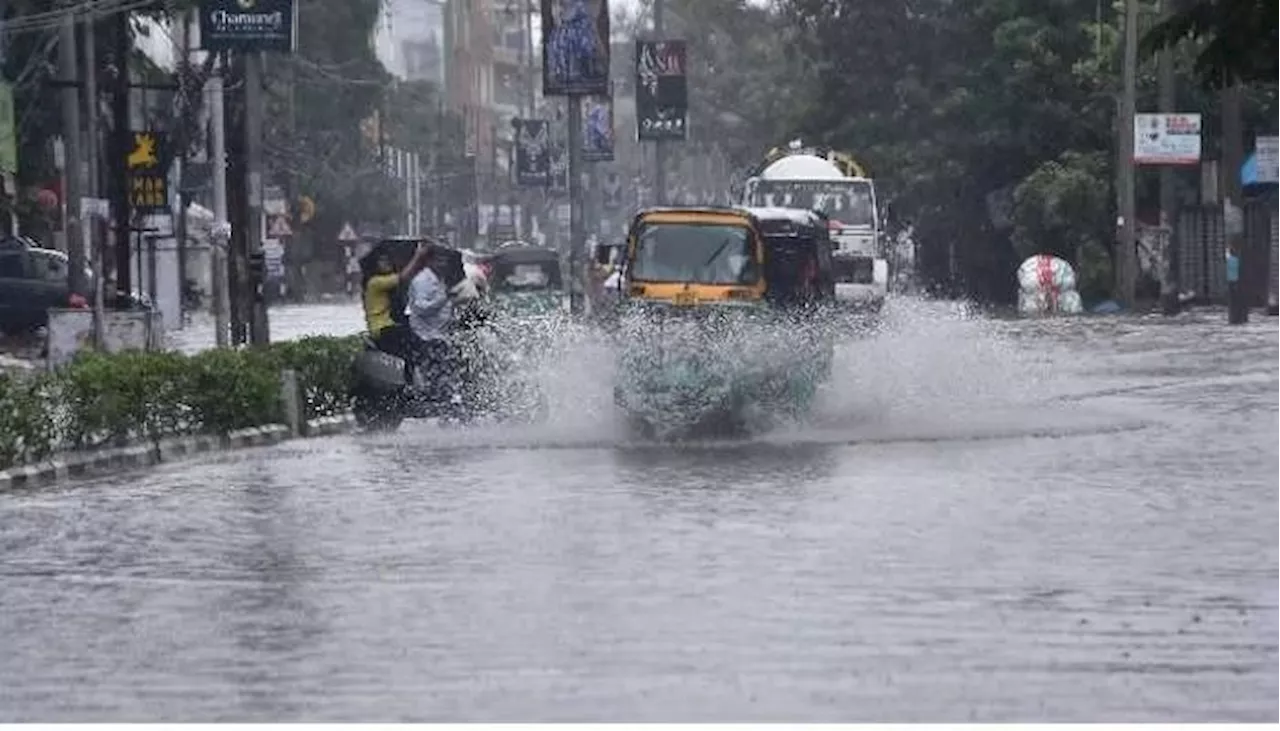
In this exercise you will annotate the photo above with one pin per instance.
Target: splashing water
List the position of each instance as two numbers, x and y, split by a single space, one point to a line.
928 371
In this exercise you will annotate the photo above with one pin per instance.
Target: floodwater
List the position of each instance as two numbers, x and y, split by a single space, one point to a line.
1058 520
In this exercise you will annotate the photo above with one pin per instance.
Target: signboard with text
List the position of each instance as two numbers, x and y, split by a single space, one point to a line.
147 169
662 90
1267 159
1166 139
249 25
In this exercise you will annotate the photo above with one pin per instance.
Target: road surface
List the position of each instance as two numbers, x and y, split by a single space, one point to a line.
1057 520
285 322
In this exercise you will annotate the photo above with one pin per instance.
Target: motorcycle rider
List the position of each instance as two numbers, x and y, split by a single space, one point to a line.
384 320
432 316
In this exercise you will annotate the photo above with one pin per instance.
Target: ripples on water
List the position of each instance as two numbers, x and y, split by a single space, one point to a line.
914 553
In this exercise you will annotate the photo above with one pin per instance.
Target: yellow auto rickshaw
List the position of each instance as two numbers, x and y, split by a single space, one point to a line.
705 343
691 256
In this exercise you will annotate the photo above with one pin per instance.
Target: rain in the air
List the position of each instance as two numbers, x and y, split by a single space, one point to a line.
639 361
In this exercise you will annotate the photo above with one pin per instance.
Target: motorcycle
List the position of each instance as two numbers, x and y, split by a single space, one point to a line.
477 382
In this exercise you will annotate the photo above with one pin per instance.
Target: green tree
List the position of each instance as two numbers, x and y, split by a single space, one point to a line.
1237 39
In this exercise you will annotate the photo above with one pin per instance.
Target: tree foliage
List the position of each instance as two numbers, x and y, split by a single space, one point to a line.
958 105
1237 39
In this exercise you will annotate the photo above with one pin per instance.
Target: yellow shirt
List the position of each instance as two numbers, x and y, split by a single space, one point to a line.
377 302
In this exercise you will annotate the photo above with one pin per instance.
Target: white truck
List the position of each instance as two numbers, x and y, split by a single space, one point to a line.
834 184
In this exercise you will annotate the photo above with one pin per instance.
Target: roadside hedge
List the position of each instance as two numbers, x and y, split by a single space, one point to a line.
103 400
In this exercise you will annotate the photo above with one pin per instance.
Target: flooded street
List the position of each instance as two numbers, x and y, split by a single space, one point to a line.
1071 520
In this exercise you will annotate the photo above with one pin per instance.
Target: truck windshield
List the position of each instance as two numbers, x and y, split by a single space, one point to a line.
698 253
850 202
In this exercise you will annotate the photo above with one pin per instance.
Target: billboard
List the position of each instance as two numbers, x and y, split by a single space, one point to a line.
662 90
533 152
249 25
147 169
597 129
1166 139
575 47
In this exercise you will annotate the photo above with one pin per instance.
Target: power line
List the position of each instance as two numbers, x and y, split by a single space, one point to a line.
49 19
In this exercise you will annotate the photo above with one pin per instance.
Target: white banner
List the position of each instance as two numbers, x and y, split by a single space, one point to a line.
1166 139
1268 159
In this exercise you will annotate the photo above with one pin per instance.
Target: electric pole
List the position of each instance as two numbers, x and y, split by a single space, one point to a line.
74 166
577 233
1126 256
1170 278
237 200
123 143
221 234
1233 203
92 152
254 100
659 146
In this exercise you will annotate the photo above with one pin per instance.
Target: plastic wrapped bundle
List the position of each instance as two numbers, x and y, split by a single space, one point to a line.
1047 285
1043 273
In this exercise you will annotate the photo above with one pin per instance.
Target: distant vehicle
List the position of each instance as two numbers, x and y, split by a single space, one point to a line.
34 280
834 184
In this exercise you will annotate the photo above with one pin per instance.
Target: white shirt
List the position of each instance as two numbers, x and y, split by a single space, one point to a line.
429 309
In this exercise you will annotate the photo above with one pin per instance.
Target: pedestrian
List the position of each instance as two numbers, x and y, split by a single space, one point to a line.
353 275
1237 307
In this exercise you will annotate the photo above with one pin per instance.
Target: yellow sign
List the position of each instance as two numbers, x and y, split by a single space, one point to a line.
148 178
148 193
145 154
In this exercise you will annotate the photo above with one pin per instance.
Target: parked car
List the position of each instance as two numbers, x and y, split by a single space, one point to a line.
34 280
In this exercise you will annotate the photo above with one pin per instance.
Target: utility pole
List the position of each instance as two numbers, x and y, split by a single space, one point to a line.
182 48
1170 278
659 146
92 152
1126 256
221 237
237 205
1233 205
577 233
254 100
74 166
122 138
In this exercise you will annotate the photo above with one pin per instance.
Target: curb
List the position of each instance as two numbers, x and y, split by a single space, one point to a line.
120 459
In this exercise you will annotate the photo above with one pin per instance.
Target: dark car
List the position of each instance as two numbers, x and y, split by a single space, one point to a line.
34 280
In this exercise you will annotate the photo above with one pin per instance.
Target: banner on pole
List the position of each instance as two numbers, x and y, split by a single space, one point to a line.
575 47
249 25
597 128
147 166
533 152
662 90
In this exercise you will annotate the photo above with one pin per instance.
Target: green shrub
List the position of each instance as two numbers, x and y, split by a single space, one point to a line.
323 365
106 399
232 389
28 428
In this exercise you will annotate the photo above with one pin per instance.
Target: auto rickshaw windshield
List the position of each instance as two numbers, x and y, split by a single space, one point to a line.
697 253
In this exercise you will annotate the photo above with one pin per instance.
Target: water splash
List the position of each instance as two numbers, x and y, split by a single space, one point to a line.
927 371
